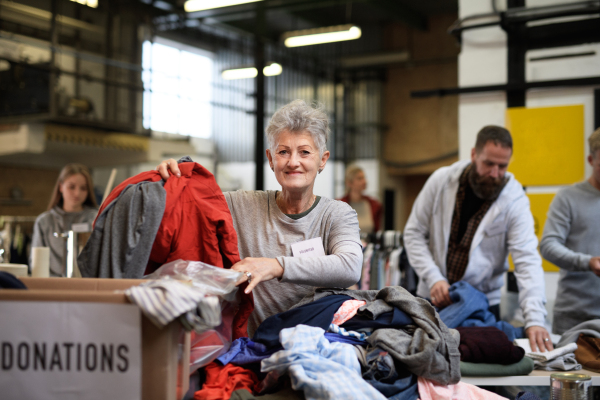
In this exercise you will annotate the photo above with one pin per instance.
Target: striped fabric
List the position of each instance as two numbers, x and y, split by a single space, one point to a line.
162 301
337 329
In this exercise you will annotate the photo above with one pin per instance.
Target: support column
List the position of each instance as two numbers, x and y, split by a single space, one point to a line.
517 48
259 64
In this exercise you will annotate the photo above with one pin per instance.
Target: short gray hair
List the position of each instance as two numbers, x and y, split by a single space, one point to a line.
297 117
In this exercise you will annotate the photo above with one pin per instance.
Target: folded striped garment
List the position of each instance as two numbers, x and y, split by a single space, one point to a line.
162 301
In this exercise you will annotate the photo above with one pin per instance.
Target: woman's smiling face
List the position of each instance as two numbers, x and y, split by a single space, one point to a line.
74 191
296 161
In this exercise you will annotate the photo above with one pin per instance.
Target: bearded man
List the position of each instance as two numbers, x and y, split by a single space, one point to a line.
464 223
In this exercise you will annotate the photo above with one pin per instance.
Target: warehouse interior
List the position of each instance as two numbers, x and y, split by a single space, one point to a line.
121 85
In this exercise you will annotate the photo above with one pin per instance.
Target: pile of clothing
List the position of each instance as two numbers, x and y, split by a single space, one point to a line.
559 359
577 348
486 347
586 336
349 344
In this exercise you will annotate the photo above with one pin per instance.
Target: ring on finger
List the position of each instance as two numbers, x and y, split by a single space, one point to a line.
546 339
433 299
248 276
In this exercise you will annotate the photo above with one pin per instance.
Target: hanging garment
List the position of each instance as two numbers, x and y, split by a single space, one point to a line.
429 390
124 232
588 352
222 381
395 278
377 280
410 279
196 226
318 314
470 308
18 247
366 267
487 345
523 367
427 349
321 369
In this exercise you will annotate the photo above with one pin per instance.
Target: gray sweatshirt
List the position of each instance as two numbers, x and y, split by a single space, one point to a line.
571 238
58 220
264 231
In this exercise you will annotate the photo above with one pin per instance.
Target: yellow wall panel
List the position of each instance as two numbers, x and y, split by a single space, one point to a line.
540 203
548 145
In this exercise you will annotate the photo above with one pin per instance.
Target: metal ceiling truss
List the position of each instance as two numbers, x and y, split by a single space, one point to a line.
235 16
522 38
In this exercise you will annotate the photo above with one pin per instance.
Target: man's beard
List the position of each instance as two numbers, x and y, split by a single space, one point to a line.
485 187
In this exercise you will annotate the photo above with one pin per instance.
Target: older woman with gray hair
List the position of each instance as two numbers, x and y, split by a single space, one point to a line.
291 240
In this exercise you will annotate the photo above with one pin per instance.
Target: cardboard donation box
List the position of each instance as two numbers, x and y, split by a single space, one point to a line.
79 339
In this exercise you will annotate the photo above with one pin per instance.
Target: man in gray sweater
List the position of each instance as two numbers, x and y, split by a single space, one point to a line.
571 241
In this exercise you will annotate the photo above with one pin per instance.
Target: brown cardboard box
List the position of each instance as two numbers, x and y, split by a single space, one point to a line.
165 352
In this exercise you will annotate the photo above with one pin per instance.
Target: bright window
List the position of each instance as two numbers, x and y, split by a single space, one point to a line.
177 89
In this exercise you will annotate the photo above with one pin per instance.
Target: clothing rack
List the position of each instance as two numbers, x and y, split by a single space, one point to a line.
385 263
8 233
15 218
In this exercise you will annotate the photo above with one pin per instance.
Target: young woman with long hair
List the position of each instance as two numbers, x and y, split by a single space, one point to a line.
72 202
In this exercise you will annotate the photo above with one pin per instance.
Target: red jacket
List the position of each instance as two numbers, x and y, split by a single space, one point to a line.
376 209
196 226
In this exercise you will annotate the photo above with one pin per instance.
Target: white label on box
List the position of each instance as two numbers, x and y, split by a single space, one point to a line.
67 350
308 248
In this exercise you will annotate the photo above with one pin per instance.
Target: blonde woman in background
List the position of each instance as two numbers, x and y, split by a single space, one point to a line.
367 208
72 202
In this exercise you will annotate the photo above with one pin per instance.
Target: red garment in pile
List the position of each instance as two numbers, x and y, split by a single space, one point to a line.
196 226
222 381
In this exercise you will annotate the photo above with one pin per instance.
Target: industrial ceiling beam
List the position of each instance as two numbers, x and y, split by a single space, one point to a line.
402 13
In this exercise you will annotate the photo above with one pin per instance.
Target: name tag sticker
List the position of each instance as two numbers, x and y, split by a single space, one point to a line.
308 248
81 227
495 229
